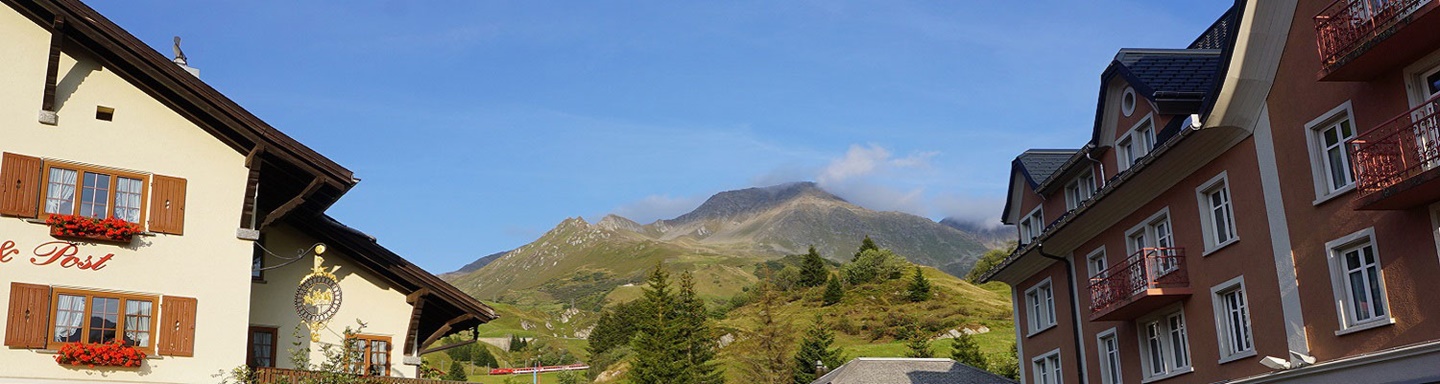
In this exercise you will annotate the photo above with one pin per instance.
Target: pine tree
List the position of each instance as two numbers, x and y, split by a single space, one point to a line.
456 373
815 346
918 345
767 349
696 341
656 341
516 343
833 291
919 287
812 269
484 358
865 245
965 350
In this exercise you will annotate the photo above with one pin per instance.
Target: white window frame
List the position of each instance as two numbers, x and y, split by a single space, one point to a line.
1149 230
1046 368
1415 75
1109 375
1032 225
1136 143
1165 342
1339 282
1079 190
1320 166
1096 262
1210 227
1040 311
1224 329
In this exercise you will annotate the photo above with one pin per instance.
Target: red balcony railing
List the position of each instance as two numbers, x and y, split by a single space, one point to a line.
1346 26
1398 149
1145 269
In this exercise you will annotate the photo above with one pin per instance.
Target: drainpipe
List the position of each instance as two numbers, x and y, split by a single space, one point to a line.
1103 179
1074 308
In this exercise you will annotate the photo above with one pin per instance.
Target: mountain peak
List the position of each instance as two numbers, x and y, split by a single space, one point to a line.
615 222
753 200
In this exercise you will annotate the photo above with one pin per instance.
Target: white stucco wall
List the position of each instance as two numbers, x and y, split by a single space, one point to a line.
207 263
366 298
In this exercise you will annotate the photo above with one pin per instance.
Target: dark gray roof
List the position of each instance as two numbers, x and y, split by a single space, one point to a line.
868 370
1040 164
1171 70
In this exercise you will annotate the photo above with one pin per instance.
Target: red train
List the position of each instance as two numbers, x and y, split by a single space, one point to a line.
548 368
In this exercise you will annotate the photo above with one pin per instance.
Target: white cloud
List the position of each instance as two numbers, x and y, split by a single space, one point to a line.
656 207
872 177
984 210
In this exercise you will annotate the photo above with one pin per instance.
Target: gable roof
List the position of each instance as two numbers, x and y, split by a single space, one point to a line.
908 370
1035 166
1169 71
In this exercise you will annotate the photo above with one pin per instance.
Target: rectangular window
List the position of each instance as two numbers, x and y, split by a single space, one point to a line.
371 355
1430 82
92 192
1047 368
1032 226
1329 155
261 351
1232 319
1041 302
1097 264
1109 358
1165 348
1128 152
1136 143
101 317
1217 213
1358 279
1079 190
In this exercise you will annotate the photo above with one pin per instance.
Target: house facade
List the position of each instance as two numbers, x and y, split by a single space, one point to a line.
140 208
1256 207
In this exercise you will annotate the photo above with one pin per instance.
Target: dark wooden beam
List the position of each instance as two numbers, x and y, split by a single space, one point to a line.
52 69
413 296
442 348
435 336
413 333
252 188
284 209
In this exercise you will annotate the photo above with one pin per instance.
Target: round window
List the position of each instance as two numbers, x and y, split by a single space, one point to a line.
1127 102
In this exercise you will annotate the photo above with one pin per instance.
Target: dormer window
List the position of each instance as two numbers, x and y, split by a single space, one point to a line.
1079 190
1137 143
1032 226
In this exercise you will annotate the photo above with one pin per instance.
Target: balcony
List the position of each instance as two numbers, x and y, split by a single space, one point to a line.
1395 162
1361 39
1147 280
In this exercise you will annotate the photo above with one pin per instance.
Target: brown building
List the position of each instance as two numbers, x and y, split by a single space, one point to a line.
1260 206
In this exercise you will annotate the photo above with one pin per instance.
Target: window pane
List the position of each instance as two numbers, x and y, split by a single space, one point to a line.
1178 343
60 193
69 318
1433 82
1338 177
95 196
104 319
137 322
127 199
1357 293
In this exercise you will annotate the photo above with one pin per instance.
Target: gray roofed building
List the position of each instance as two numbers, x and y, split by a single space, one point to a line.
895 370
1171 70
1040 164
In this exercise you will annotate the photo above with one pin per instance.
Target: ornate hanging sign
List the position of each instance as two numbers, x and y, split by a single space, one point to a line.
318 296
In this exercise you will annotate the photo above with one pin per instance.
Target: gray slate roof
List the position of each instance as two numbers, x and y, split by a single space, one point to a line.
1171 70
870 370
1040 164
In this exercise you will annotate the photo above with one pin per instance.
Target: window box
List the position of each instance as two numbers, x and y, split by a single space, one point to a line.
113 354
79 227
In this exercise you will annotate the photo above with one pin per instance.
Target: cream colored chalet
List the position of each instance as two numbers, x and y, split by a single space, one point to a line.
1261 206
141 211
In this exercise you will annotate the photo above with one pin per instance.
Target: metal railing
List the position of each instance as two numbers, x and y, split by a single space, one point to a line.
266 375
1346 25
1398 149
1144 269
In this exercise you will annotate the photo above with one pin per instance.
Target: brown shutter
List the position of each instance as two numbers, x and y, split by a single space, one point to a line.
167 205
19 185
28 325
177 326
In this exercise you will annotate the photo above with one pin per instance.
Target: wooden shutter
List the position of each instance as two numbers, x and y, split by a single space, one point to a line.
167 205
28 325
19 185
177 326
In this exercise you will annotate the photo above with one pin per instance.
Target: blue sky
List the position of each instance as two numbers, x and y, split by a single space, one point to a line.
477 126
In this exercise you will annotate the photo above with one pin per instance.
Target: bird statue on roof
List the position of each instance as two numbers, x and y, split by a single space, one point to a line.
179 55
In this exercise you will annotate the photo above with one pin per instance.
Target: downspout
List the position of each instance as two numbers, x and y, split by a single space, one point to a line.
1103 179
1074 308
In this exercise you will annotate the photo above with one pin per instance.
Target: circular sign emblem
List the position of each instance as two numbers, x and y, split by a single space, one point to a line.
317 299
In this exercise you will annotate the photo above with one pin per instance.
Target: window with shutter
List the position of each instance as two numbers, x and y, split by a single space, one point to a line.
177 326
28 323
167 205
19 185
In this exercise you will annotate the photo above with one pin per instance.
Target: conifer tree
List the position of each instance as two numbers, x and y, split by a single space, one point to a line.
767 349
815 346
833 291
656 342
484 358
812 269
919 287
696 341
965 350
456 373
918 345
865 245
